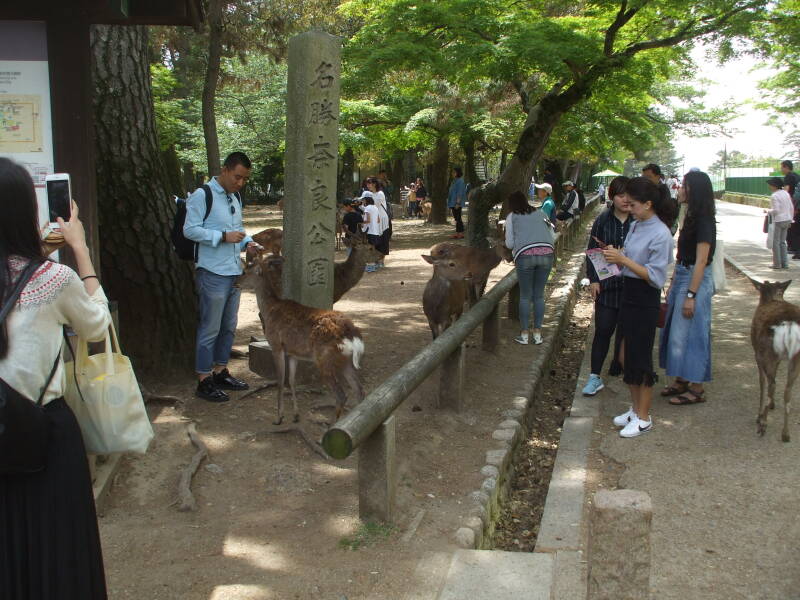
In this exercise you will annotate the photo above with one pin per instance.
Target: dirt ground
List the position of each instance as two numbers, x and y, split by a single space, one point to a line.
275 520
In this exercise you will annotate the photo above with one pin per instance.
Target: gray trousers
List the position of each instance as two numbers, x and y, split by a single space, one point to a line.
780 255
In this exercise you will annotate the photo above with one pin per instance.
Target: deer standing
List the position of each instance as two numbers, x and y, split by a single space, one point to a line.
445 293
325 337
478 261
775 334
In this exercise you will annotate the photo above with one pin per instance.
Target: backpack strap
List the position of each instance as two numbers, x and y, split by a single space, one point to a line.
209 201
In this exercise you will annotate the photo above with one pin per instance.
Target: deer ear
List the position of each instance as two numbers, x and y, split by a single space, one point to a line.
785 284
428 259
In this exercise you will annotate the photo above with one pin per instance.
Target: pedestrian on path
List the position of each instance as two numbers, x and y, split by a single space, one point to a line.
529 235
456 199
644 261
374 187
685 346
610 228
545 193
781 212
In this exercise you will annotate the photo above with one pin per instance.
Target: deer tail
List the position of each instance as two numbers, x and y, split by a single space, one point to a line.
786 339
354 348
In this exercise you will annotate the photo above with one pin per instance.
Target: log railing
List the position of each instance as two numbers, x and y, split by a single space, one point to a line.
371 424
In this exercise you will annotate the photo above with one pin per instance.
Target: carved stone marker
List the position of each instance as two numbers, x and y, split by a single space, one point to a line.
619 545
312 141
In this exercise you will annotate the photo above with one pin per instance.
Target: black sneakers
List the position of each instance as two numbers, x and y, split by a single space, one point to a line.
226 381
208 390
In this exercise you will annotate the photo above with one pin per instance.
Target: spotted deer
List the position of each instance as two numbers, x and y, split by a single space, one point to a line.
775 334
445 293
327 338
478 262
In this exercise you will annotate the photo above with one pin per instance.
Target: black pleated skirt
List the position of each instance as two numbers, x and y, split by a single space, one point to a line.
49 540
638 319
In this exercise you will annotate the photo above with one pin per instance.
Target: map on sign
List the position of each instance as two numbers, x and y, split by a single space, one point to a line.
20 124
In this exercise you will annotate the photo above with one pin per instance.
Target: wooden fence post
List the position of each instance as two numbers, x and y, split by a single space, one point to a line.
377 474
513 302
491 330
451 380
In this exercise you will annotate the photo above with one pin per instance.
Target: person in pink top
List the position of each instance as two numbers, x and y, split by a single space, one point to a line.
782 212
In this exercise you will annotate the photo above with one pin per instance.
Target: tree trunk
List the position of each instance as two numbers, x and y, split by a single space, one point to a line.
470 173
346 175
154 289
439 178
398 177
172 164
210 85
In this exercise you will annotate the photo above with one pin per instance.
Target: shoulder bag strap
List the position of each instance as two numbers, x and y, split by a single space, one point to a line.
21 283
9 304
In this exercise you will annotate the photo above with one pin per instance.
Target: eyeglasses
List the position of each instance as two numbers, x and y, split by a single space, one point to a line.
230 203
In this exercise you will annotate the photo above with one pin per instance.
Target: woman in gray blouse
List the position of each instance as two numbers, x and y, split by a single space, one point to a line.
644 261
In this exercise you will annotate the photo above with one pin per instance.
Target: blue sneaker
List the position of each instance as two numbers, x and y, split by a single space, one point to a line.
594 385
370 268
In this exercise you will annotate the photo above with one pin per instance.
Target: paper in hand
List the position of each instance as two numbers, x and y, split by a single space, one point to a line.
604 268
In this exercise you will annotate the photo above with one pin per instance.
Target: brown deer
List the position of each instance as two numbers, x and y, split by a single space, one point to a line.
325 337
271 239
445 293
775 334
426 209
478 261
348 273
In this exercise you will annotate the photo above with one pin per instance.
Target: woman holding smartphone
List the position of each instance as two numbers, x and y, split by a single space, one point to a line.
644 261
49 540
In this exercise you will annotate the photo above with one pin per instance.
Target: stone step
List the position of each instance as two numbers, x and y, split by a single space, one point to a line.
497 575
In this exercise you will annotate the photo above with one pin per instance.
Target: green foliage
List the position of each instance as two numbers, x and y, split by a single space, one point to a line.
735 158
780 43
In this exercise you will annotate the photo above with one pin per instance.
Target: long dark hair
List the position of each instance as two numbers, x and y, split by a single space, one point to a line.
617 186
376 182
19 228
643 190
518 204
699 198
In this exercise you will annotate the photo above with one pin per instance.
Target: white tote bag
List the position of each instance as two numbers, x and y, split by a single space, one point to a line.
103 393
770 234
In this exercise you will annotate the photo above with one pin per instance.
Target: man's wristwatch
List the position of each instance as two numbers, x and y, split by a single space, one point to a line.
690 294
224 233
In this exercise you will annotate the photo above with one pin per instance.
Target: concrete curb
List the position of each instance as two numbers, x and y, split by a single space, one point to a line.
104 478
742 269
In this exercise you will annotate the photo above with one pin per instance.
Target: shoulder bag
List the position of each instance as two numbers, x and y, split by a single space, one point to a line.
23 424
103 393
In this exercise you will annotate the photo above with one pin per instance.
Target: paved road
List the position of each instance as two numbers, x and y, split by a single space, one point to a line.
725 501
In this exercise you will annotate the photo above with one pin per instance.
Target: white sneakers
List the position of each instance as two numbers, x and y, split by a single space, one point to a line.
522 338
632 425
625 418
537 338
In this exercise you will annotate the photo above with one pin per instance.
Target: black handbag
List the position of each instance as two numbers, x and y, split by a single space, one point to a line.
23 425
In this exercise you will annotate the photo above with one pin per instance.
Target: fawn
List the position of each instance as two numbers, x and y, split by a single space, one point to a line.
445 293
775 334
271 239
325 337
348 273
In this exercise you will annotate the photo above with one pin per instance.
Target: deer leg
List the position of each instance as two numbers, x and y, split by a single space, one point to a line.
292 371
766 379
794 371
341 397
355 383
279 358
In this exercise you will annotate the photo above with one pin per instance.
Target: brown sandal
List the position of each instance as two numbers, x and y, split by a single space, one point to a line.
675 389
684 398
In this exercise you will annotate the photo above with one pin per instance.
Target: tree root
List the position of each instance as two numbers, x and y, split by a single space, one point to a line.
260 388
148 397
186 500
311 442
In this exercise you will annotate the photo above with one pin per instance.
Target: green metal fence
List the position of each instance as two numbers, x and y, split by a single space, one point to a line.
755 186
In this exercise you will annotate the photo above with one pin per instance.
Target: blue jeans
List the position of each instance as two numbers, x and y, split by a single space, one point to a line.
685 346
218 315
532 273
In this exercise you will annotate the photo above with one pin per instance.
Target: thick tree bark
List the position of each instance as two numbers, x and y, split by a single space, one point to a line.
210 86
346 184
440 171
470 173
172 164
154 289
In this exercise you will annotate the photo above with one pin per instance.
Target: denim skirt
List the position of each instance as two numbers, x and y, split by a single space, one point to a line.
685 346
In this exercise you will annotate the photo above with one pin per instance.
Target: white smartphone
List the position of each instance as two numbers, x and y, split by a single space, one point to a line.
59 197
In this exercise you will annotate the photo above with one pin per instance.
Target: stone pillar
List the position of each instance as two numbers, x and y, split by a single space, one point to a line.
377 474
619 546
312 142
451 380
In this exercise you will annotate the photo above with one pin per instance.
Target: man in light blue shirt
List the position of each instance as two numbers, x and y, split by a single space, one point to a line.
221 239
456 199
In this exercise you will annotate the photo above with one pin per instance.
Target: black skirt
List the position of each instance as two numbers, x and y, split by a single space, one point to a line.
49 540
638 318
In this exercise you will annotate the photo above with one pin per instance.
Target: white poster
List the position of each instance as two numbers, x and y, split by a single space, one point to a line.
26 134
